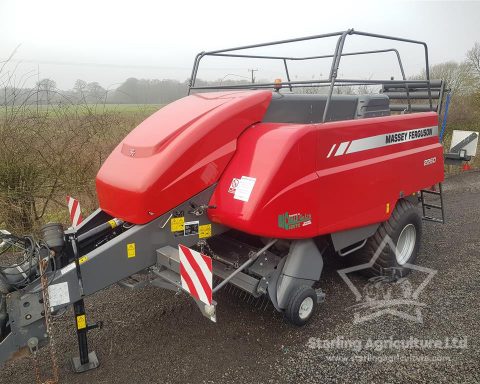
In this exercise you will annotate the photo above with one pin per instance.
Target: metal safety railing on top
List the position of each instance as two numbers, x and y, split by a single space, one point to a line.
333 80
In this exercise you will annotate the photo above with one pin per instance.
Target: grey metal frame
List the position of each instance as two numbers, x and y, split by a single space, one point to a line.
157 253
105 265
332 80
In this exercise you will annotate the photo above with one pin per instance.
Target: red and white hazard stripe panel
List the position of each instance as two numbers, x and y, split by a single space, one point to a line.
75 212
196 274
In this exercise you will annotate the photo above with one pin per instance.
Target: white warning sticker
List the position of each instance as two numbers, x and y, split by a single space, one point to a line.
58 294
233 185
244 188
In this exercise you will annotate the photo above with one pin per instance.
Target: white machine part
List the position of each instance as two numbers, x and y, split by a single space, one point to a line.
459 136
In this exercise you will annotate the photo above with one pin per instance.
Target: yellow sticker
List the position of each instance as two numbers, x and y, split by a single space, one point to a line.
82 259
81 322
387 208
204 231
131 250
112 223
177 224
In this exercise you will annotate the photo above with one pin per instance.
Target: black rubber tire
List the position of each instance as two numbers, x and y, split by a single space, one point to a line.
297 296
386 264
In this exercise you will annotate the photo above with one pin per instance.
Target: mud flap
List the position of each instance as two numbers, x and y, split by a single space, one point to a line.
303 266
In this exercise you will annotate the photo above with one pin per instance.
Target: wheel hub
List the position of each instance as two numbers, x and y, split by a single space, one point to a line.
406 244
305 308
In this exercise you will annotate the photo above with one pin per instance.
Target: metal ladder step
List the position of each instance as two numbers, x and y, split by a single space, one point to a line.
435 219
431 192
431 206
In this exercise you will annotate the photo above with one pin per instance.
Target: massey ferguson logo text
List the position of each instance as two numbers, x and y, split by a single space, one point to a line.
293 221
408 135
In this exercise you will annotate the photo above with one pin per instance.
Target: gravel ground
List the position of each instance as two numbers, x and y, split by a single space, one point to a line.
153 336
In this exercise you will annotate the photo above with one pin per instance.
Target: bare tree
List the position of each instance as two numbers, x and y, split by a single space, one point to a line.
46 89
79 90
96 93
473 60
47 153
457 76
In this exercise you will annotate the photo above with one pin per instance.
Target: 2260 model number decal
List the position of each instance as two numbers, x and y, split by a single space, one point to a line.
429 161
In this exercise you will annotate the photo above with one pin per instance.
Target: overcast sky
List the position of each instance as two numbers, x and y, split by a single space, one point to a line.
109 41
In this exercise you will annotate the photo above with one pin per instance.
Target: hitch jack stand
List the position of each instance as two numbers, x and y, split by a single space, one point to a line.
86 360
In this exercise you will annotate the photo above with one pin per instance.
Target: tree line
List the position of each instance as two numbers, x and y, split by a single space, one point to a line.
462 78
131 91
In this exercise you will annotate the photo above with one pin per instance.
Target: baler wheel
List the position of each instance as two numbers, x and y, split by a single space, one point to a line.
405 229
301 305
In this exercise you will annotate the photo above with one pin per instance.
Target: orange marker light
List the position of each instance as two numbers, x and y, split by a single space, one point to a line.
278 84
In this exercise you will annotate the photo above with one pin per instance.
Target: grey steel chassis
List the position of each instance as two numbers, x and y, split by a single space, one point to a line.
93 263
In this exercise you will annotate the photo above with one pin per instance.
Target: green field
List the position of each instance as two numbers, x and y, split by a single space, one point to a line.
125 109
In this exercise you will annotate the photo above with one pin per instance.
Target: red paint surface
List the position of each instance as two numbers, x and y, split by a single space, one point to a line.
216 137
177 152
294 175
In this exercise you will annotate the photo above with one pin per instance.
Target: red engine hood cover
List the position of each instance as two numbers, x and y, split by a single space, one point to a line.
176 153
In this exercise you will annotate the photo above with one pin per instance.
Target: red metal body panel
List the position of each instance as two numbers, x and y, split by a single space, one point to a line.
299 173
176 153
310 179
